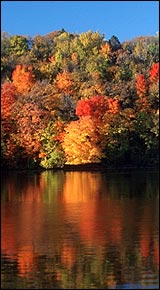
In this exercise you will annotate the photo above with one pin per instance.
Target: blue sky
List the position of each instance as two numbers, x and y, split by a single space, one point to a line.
124 19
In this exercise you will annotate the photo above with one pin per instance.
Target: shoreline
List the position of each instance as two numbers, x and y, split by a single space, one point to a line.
85 167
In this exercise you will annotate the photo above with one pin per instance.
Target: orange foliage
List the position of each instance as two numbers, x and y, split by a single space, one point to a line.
64 82
105 49
154 73
23 78
8 94
113 106
80 142
141 86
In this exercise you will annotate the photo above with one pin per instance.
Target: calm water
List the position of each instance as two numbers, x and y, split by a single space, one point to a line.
80 230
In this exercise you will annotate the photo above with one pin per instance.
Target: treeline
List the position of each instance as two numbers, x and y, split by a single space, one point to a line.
78 99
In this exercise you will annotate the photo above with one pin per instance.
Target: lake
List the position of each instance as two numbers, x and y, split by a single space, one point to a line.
80 230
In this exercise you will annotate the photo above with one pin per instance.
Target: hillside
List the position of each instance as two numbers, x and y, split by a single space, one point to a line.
69 99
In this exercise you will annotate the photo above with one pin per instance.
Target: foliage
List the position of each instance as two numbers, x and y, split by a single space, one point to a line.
154 73
80 142
64 82
23 78
18 45
141 86
103 94
51 154
8 94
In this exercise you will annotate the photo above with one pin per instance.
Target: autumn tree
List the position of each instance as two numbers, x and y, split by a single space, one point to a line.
77 78
30 120
8 144
154 73
64 82
97 106
8 94
80 142
23 78
18 45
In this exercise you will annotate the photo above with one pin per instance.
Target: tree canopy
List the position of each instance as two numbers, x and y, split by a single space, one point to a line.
79 98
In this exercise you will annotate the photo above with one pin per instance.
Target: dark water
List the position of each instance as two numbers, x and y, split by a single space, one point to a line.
80 230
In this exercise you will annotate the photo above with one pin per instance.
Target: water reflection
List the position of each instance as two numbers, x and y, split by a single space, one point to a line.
79 230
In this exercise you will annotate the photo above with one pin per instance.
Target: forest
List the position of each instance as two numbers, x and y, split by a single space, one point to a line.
76 99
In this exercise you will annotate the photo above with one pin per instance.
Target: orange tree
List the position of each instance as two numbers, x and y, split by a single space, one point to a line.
8 144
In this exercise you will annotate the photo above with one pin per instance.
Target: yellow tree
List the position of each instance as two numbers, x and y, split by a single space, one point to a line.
80 142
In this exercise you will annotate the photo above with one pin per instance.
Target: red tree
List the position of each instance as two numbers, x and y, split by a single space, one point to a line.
154 73
97 106
8 94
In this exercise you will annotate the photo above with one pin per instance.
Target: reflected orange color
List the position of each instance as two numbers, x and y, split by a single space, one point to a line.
19 224
8 233
98 223
145 229
97 218
145 246
87 223
26 260
68 256
79 187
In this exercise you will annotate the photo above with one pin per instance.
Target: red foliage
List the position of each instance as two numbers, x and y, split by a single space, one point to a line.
7 99
94 107
154 73
141 86
97 106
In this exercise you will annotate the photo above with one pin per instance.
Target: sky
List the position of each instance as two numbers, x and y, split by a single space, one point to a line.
124 19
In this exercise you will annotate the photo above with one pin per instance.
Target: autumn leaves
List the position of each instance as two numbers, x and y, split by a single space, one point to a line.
76 99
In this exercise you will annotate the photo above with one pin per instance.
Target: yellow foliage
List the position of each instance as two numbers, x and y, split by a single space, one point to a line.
80 142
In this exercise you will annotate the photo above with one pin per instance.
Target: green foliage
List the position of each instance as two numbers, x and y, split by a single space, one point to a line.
51 154
18 45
